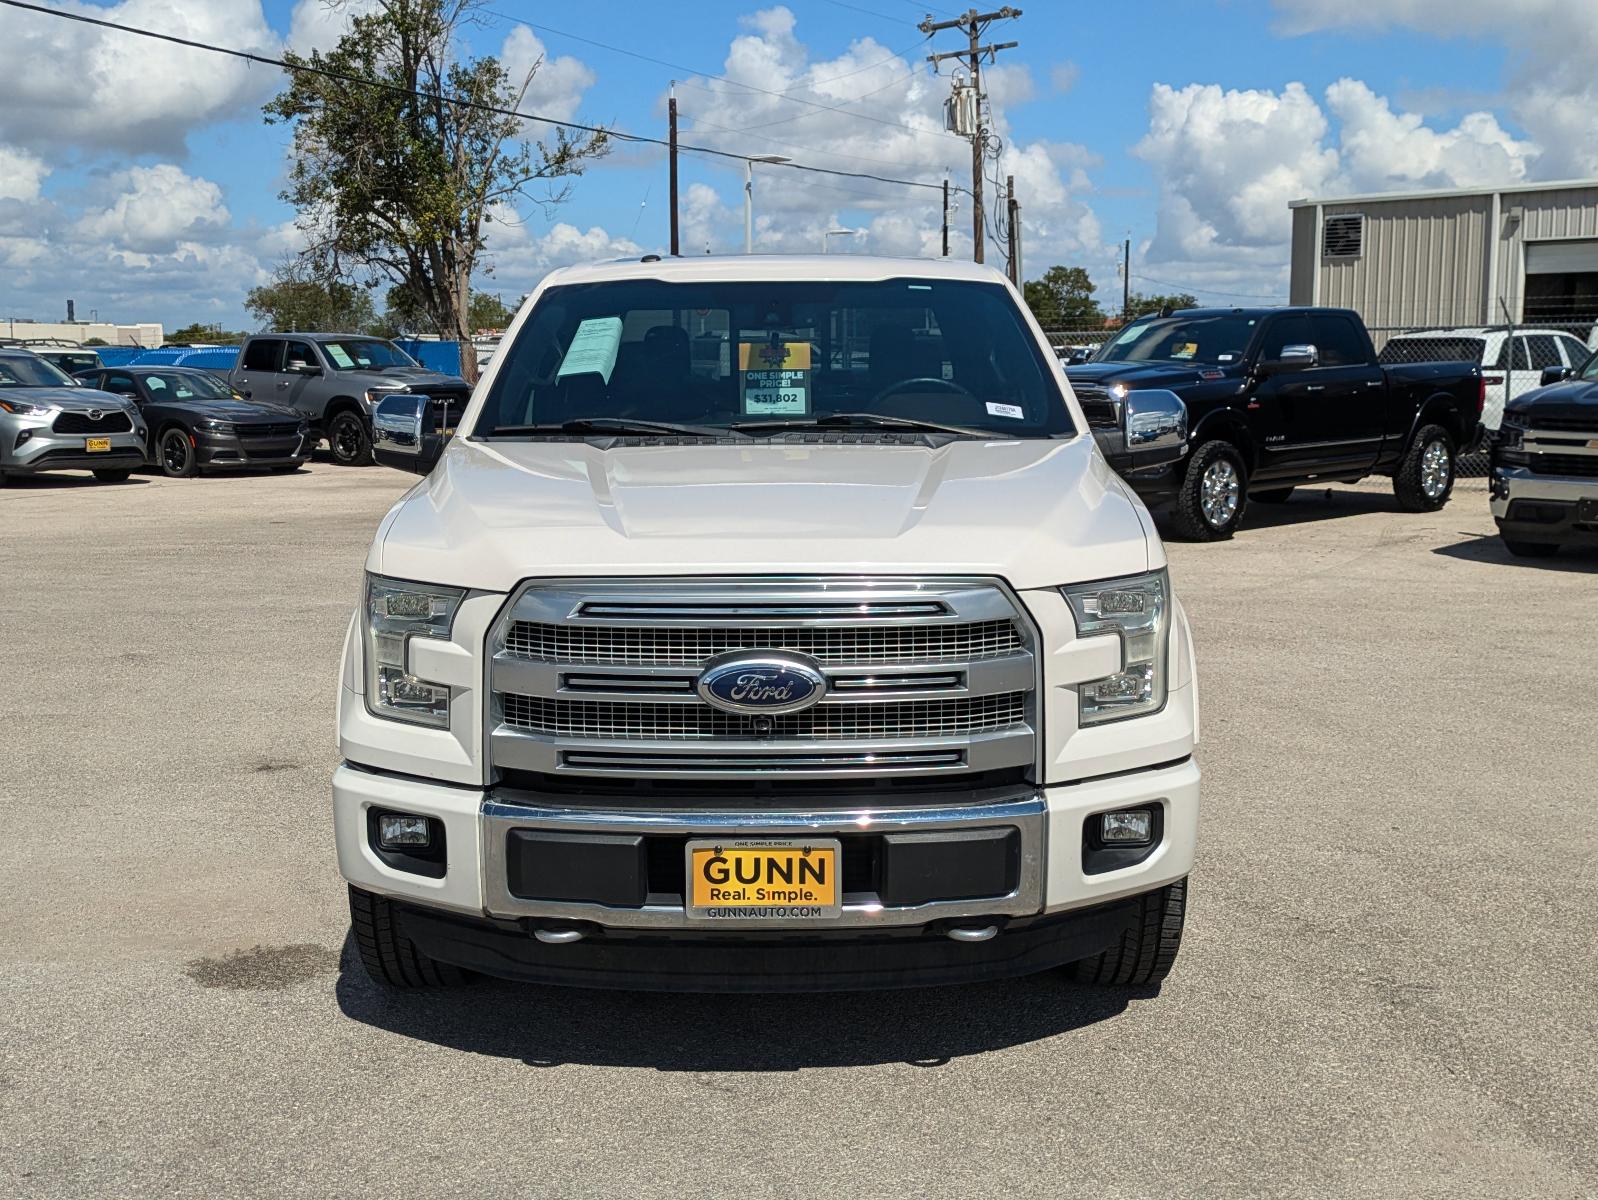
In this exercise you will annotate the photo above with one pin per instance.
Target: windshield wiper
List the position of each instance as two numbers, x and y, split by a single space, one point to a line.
621 426
861 420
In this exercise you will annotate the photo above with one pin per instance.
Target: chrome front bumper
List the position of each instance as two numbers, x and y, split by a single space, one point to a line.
1520 483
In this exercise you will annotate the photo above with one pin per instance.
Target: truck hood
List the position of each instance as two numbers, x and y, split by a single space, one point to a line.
1147 375
1034 512
1572 398
418 379
71 399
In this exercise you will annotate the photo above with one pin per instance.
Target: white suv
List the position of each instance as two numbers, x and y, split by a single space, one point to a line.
850 662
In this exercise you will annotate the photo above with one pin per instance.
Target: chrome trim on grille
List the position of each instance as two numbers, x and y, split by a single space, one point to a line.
501 814
924 676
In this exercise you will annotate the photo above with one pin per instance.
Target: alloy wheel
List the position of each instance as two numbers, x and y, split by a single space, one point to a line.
1435 469
1220 493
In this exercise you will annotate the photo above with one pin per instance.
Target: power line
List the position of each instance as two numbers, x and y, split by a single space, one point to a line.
661 62
1188 287
266 60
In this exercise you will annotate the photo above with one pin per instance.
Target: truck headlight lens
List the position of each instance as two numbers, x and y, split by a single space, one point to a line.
395 612
1139 610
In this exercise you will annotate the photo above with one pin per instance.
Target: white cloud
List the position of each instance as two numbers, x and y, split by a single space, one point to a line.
557 87
1551 89
1063 76
21 175
318 24
84 88
158 209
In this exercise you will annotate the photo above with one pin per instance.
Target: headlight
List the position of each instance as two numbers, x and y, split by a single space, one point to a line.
22 408
394 613
1139 609
218 426
373 395
1509 442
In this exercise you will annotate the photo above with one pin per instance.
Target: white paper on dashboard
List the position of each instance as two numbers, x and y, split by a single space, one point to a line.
593 349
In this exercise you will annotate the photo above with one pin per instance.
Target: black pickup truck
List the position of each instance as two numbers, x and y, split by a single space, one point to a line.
1278 397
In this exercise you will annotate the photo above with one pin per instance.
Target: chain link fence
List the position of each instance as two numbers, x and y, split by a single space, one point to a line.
1512 359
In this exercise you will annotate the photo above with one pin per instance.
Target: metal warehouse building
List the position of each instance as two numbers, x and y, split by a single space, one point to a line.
1452 258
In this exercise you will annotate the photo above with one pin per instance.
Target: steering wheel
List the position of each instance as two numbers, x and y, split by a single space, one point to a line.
918 384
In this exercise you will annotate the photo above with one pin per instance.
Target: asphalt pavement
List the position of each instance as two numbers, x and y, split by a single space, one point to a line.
1388 986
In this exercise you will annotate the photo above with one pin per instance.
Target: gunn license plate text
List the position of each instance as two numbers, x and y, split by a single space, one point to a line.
787 880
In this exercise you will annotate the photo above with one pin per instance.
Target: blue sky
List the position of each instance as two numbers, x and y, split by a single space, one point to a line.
144 183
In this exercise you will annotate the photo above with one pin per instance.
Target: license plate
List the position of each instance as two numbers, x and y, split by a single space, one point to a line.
97 445
760 879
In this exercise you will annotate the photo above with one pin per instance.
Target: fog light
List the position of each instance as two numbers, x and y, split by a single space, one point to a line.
395 832
1134 827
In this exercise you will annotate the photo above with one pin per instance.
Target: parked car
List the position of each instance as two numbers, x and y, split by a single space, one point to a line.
814 673
49 422
1278 397
196 422
1544 482
333 380
1535 350
73 361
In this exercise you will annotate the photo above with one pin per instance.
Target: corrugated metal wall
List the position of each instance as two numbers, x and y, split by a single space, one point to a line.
1423 262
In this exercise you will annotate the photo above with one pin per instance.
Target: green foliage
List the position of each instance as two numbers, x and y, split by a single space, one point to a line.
399 185
1141 304
488 312
199 332
96 342
1063 299
290 303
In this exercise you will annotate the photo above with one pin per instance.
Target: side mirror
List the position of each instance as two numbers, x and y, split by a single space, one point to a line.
1151 432
406 433
1294 357
1554 375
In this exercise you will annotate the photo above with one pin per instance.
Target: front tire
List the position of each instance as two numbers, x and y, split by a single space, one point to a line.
1213 495
391 958
112 475
176 455
1148 948
1522 549
1425 478
348 438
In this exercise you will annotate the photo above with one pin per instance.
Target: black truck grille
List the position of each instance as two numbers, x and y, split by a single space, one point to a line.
1584 466
108 422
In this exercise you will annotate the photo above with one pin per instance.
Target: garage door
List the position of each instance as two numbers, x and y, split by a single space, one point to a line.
1560 258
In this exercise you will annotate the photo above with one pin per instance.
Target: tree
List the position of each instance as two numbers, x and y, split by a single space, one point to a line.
488 312
96 342
293 302
404 313
1140 304
400 177
1063 299
199 332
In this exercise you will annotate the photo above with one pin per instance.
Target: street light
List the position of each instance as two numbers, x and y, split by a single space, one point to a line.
749 194
826 238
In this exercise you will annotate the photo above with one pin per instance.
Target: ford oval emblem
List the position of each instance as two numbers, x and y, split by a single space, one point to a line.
761 683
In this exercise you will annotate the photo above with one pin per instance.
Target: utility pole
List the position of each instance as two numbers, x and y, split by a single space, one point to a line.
945 218
1012 225
974 23
671 116
1126 282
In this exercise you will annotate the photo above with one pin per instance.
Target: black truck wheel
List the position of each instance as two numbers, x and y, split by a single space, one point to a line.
1213 495
1426 476
389 957
1272 495
1148 948
349 440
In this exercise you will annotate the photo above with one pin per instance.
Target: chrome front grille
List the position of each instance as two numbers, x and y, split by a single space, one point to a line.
597 677
916 719
669 645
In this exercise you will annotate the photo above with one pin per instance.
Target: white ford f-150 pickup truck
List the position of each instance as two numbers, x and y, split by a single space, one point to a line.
769 624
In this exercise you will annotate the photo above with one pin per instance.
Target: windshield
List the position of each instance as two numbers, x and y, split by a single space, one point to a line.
180 385
29 371
1217 340
1589 369
365 354
781 354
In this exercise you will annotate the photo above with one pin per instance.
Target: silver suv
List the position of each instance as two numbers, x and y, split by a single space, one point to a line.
334 379
49 423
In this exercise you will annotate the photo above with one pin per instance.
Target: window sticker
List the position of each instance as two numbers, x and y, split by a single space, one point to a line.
1225 357
1013 411
775 378
1185 350
340 356
593 349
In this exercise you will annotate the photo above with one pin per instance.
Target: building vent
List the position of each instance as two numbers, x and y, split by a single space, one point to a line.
1343 236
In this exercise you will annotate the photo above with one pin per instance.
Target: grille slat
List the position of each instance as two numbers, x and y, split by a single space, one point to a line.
1582 465
109 422
1568 424
613 645
642 721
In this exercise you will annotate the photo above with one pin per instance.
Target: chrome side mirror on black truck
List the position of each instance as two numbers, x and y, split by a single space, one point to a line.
408 432
1151 430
